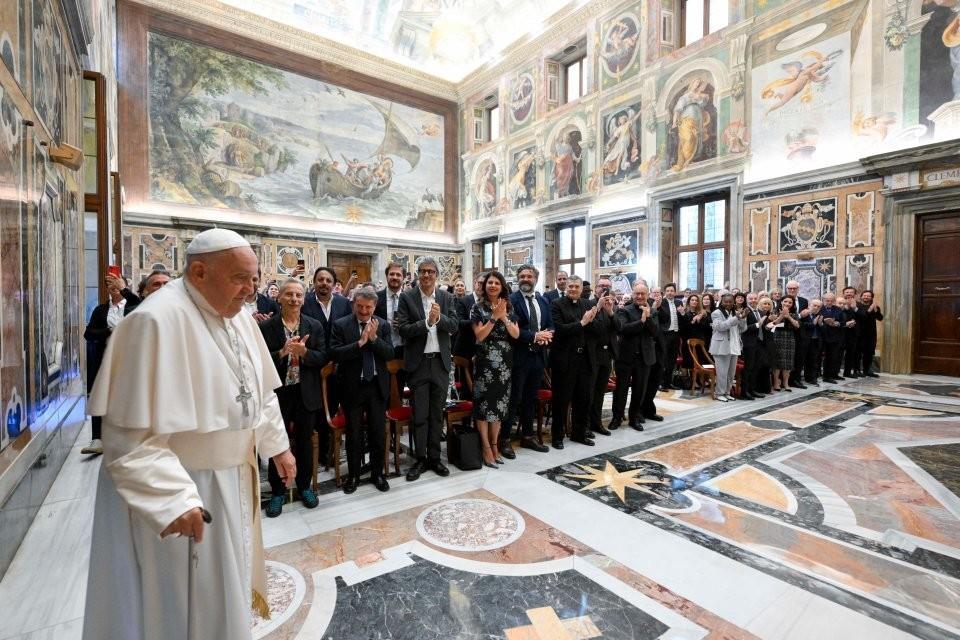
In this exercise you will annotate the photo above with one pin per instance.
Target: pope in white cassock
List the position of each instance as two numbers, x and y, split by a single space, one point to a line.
186 392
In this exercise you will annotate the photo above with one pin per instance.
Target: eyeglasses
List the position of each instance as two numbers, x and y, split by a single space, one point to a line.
428 272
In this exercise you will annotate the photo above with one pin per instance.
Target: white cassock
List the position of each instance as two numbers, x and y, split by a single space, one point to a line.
175 437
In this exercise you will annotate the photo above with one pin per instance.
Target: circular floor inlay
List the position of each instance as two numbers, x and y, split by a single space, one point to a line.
470 525
285 591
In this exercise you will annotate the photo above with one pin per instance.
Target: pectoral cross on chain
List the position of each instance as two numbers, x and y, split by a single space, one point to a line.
242 399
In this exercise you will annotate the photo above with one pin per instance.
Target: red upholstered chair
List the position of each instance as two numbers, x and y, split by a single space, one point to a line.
337 423
544 402
398 417
464 409
738 379
704 371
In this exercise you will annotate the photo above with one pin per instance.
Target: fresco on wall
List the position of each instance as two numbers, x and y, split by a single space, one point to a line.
619 249
621 144
48 83
521 99
939 57
805 226
227 132
515 256
12 39
567 163
619 48
692 133
801 108
13 185
522 188
485 190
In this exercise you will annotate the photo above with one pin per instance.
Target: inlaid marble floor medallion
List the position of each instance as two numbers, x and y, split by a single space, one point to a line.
470 525
285 591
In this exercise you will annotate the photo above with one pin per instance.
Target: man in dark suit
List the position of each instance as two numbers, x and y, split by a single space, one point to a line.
553 294
427 319
752 340
870 314
572 364
323 305
636 354
812 328
361 345
296 344
668 315
529 360
103 320
802 307
388 300
649 407
833 323
258 304
602 344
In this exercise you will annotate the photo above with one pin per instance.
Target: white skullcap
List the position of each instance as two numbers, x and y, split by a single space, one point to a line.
213 240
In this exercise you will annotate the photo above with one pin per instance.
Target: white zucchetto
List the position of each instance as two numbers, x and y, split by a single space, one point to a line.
213 240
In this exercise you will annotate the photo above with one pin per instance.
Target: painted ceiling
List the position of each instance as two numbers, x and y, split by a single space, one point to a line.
445 38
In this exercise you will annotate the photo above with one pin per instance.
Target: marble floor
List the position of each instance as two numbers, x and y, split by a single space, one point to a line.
832 512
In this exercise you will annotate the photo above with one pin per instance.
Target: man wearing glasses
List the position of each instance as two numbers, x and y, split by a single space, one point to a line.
426 319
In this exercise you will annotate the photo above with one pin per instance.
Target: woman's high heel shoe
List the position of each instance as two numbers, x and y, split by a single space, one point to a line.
490 464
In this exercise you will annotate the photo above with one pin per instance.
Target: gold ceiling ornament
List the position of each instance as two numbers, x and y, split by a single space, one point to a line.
617 481
354 214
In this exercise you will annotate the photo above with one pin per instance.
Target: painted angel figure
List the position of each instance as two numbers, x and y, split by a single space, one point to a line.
800 79
623 149
619 46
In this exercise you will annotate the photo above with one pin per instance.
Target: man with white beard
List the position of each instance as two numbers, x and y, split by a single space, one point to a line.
182 425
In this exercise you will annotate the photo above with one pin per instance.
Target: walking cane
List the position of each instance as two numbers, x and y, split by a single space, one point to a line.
194 563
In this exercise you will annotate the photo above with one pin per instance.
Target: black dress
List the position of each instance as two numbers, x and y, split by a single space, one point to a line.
690 330
492 365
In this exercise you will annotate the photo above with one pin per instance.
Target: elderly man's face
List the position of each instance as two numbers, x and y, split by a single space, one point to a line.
428 275
226 279
640 295
291 297
364 308
829 300
752 299
574 289
459 289
155 283
815 306
793 288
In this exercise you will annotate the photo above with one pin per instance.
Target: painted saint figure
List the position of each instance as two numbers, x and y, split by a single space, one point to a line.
566 167
485 191
691 123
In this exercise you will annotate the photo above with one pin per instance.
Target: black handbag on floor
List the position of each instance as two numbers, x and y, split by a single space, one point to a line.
463 448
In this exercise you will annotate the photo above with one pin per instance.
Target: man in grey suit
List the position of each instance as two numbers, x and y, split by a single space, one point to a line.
426 319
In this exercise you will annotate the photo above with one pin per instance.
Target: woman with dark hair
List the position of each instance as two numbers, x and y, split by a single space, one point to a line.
694 325
709 305
493 324
783 325
739 301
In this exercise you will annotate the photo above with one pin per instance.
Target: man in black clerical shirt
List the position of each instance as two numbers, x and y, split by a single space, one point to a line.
603 345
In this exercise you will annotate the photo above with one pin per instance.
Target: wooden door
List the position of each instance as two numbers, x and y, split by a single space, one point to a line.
936 332
346 263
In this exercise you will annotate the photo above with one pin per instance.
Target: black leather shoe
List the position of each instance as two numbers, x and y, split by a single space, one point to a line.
599 429
416 470
507 451
758 395
350 485
871 374
584 440
636 426
615 424
843 377
830 380
381 483
813 383
655 417
557 444
746 396
799 385
438 468
530 443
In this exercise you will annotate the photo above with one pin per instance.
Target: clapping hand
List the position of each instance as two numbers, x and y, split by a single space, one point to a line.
434 316
544 337
873 306
500 310
262 317
295 347
590 314
850 324
369 333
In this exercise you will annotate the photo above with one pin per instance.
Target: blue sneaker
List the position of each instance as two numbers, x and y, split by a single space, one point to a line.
309 498
275 506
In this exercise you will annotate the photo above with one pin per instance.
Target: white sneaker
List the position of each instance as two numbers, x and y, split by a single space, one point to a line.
722 398
94 448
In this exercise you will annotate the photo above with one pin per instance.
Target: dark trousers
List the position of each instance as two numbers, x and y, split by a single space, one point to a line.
751 367
867 349
571 385
649 407
323 429
635 377
600 380
429 383
799 358
832 358
671 343
96 424
301 440
365 398
814 362
526 378
851 354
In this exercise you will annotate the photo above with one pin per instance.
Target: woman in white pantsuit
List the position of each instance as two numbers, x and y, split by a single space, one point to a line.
725 345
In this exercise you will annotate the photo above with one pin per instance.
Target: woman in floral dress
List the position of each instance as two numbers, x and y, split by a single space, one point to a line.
494 324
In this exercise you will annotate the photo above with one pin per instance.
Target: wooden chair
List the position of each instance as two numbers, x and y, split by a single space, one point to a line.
544 402
398 417
337 423
704 371
463 409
